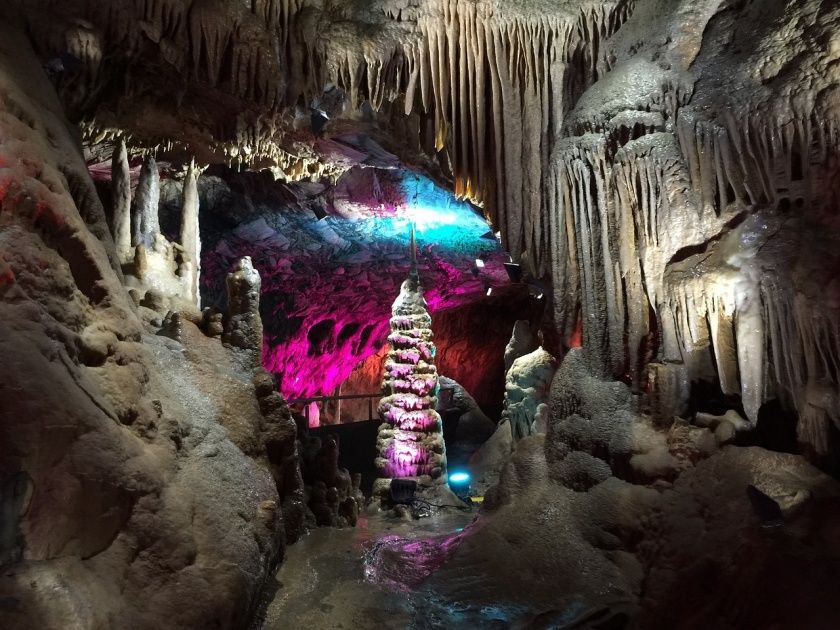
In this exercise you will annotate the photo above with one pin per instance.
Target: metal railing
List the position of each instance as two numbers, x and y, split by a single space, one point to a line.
444 396
337 398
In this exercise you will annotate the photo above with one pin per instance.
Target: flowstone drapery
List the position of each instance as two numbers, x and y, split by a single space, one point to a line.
410 441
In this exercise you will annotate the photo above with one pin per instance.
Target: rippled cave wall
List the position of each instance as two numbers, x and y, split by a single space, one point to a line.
128 463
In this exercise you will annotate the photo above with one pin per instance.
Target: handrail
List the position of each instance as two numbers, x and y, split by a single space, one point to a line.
336 398
325 399
300 401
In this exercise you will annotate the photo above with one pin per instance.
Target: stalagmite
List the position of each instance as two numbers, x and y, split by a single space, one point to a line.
121 199
145 227
190 238
410 441
243 326
527 386
522 342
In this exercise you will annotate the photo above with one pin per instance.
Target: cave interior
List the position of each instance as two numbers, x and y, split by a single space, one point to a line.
419 314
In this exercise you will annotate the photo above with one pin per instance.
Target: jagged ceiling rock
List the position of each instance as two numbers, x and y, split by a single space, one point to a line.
244 76
331 265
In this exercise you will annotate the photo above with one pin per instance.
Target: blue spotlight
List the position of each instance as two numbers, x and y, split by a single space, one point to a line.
459 482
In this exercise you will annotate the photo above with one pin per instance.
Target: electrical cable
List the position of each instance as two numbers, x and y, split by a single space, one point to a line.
463 507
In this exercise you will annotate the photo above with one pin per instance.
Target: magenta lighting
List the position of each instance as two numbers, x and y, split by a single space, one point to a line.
410 440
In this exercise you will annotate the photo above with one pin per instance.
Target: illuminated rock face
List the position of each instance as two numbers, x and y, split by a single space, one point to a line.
411 439
328 285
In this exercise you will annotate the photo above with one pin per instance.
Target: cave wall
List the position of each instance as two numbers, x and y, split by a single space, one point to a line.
670 172
693 210
131 492
332 258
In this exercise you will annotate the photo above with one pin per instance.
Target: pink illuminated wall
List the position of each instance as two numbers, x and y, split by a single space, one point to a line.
328 285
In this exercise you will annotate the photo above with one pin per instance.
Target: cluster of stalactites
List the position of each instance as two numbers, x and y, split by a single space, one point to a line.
172 268
410 441
494 86
630 202
493 83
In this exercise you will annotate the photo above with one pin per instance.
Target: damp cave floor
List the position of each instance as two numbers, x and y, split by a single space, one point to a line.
355 578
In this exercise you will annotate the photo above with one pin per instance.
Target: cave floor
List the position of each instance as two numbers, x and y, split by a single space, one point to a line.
374 576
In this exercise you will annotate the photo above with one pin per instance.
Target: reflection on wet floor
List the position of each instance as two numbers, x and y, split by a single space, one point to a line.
373 576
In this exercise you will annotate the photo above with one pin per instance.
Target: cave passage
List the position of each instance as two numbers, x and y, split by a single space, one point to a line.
419 314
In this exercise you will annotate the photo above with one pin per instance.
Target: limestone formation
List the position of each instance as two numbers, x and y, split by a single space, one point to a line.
281 444
522 342
410 442
243 326
665 170
474 427
145 226
333 495
526 388
119 475
190 268
121 200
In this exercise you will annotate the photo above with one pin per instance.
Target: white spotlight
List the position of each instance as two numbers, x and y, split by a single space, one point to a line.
479 263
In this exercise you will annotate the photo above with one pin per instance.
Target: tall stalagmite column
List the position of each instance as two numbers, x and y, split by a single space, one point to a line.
243 327
145 226
410 441
190 239
121 191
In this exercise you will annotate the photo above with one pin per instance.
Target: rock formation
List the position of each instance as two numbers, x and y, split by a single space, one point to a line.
243 327
333 495
526 392
522 342
121 204
410 441
647 158
190 267
474 427
121 470
145 225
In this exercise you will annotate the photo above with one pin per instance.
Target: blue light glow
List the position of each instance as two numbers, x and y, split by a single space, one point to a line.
441 220
459 478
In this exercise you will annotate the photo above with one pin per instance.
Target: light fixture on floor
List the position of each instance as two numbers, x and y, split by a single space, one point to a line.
459 483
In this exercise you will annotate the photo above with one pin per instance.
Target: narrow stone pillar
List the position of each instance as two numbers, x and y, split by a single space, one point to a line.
190 238
145 226
121 200
243 328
